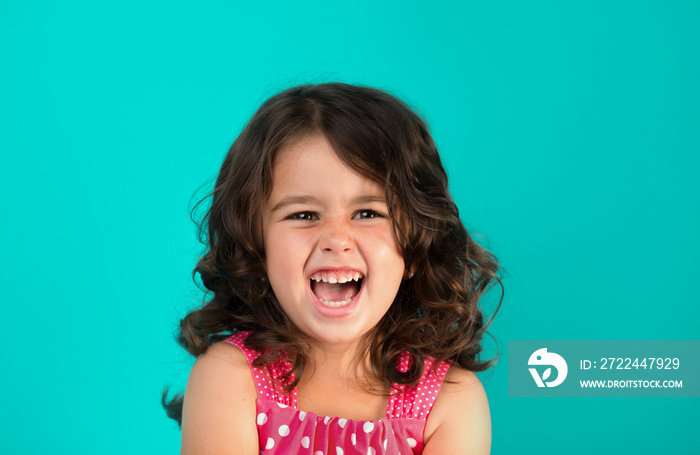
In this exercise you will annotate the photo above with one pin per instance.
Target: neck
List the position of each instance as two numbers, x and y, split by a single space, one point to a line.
340 382
341 362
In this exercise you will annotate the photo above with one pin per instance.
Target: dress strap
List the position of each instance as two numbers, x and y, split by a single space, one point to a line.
266 379
417 402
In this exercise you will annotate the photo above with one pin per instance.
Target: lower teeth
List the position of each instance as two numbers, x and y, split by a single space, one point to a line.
336 304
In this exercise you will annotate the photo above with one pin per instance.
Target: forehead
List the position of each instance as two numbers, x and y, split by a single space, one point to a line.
310 164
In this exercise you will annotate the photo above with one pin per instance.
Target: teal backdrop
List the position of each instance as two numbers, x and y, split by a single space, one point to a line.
570 131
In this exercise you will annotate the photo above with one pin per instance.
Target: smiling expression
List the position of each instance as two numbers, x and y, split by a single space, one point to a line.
330 250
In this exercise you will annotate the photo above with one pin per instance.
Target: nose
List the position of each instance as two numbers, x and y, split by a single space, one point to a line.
336 237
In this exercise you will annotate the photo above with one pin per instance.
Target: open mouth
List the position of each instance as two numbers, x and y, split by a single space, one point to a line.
336 289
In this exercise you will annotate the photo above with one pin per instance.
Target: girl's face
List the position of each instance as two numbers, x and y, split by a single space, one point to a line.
331 254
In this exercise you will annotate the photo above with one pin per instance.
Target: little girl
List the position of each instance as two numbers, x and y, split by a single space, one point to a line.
344 315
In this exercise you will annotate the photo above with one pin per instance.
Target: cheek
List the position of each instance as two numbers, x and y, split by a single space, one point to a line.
277 247
280 264
385 244
286 253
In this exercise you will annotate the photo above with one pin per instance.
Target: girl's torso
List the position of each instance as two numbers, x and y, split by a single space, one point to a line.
285 429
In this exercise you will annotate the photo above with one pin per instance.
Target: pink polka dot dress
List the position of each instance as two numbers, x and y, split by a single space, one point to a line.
284 429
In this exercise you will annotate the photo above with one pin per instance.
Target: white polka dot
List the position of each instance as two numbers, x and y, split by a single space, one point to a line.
338 451
270 444
411 442
385 441
353 438
283 431
326 420
262 418
305 441
302 415
367 427
342 422
282 405
371 451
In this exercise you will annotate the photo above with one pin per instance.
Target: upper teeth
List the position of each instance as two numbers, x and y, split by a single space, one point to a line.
344 277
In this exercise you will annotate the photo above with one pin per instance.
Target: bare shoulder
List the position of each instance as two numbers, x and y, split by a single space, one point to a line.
460 422
219 409
225 352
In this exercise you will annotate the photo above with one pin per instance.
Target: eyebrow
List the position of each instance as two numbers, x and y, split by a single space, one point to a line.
292 200
368 199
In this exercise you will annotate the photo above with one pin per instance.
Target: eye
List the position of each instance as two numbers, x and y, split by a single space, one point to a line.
303 216
366 215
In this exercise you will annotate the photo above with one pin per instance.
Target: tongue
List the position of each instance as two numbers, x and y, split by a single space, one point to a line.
336 292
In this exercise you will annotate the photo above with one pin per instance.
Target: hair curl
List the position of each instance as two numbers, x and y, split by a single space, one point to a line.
436 313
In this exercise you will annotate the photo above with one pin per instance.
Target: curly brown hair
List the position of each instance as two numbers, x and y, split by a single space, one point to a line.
378 136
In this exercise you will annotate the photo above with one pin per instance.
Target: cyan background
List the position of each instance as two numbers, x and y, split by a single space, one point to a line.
570 131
